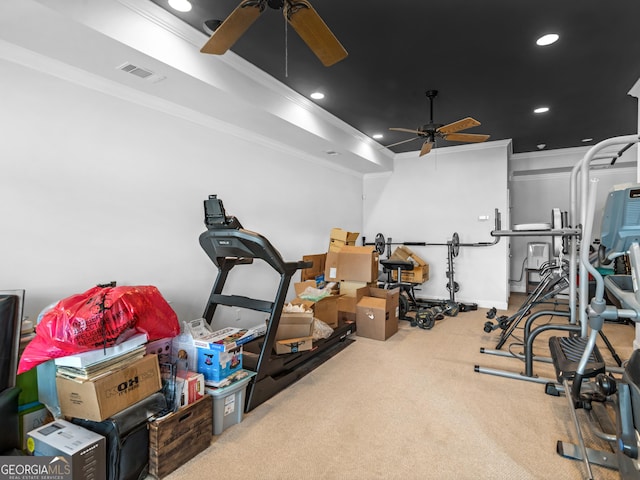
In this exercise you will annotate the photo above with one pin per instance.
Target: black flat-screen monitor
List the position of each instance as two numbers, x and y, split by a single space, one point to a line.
11 305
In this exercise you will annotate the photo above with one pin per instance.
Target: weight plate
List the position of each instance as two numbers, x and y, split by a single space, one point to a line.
380 244
451 309
456 287
455 244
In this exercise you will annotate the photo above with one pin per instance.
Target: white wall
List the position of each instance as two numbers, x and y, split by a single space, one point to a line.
539 182
428 198
95 188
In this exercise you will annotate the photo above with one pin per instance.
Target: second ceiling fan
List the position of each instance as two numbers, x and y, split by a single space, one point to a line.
431 130
298 13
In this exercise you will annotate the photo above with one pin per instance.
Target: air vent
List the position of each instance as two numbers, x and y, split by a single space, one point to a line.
141 72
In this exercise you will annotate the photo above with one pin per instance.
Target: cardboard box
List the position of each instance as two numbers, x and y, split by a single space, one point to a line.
405 253
180 436
356 264
216 364
86 449
419 274
224 339
162 348
30 419
377 313
293 345
353 292
192 388
317 269
325 309
295 325
99 398
350 289
340 238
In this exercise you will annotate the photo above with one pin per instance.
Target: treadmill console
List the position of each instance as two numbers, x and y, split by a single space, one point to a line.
215 216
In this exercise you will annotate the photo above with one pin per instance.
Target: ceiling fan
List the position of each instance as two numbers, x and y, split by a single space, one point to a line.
300 15
447 132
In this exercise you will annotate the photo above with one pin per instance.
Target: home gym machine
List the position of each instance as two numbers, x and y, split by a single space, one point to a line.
426 309
566 241
611 405
229 245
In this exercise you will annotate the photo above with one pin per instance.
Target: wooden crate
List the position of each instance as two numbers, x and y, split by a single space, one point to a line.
177 438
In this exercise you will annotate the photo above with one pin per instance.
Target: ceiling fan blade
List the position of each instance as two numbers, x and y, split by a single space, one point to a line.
233 27
466 137
403 141
315 33
426 148
407 130
459 125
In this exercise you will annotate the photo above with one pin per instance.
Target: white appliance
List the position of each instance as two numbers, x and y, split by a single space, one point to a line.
538 253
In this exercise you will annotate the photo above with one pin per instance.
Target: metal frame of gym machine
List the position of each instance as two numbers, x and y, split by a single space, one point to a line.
229 245
577 324
621 432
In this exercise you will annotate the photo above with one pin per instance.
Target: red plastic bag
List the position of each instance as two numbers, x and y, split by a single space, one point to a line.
100 317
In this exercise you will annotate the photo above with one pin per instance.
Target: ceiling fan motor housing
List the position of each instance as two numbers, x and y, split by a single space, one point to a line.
277 4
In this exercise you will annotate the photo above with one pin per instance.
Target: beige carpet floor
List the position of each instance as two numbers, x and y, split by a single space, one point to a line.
411 407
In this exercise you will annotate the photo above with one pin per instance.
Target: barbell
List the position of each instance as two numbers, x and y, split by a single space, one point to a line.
380 242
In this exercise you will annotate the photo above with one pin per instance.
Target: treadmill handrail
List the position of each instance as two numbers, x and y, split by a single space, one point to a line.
241 243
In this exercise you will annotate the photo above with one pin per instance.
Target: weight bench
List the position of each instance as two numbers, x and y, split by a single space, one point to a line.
407 300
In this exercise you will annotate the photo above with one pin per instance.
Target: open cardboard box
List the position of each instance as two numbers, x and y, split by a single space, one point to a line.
295 325
356 264
325 309
350 295
420 272
340 238
316 269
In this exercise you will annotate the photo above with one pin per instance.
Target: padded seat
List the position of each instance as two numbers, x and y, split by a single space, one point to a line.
566 353
393 264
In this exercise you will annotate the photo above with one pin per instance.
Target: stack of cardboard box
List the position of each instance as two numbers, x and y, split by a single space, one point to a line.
295 329
97 384
355 269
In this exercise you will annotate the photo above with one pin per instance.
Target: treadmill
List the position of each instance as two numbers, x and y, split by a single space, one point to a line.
229 245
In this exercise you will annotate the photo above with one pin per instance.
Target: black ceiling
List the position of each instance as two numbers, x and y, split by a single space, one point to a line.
480 55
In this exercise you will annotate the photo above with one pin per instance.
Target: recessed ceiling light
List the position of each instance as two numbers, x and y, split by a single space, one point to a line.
317 95
541 110
180 5
547 39
377 136
587 139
